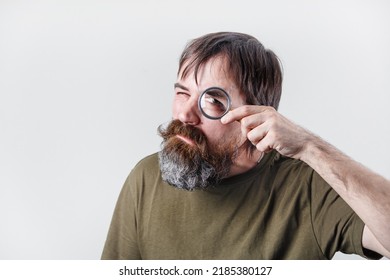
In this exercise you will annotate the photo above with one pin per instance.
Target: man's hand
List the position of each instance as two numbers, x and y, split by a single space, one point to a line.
267 129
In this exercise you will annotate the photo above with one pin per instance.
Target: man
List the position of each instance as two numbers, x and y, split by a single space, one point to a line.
237 180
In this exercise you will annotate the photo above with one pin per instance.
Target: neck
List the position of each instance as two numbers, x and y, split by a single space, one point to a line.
245 162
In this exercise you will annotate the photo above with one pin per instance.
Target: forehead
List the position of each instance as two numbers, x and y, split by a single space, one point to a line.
214 72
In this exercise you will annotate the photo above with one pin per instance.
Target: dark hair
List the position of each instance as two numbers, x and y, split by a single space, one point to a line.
255 70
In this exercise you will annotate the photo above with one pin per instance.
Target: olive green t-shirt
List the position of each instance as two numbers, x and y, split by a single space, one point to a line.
280 209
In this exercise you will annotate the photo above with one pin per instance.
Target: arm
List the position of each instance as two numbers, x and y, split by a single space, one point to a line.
366 192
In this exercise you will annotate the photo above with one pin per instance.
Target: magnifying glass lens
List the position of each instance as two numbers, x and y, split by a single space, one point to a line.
214 103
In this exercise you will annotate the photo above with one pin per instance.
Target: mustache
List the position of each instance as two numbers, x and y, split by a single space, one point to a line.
176 127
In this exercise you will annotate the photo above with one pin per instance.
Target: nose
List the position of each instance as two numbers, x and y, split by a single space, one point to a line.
189 112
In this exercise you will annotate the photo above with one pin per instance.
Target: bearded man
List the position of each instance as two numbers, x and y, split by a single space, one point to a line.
237 180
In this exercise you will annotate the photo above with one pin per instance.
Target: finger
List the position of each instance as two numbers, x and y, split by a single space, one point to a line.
241 112
264 146
257 134
252 121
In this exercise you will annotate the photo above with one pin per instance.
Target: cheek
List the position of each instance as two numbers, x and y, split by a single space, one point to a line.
175 108
223 133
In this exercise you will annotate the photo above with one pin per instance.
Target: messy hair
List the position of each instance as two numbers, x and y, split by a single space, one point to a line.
255 69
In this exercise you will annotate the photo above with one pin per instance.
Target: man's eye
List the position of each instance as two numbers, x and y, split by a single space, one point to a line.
214 101
182 93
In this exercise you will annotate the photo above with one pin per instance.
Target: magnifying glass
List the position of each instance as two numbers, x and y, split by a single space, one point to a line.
214 103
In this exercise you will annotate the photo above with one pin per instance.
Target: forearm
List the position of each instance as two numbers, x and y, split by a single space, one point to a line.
366 192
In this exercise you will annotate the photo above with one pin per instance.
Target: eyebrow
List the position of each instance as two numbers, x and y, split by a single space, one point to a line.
215 93
178 85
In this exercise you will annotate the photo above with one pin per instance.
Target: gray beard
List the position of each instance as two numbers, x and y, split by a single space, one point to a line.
191 173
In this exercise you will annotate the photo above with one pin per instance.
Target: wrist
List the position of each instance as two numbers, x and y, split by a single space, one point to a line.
313 149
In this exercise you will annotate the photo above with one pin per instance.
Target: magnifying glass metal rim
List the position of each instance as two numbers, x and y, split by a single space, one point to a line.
207 115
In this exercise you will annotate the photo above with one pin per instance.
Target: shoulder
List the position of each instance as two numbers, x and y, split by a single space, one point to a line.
145 173
293 169
148 164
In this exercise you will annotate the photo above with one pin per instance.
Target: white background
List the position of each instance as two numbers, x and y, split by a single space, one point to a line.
84 85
